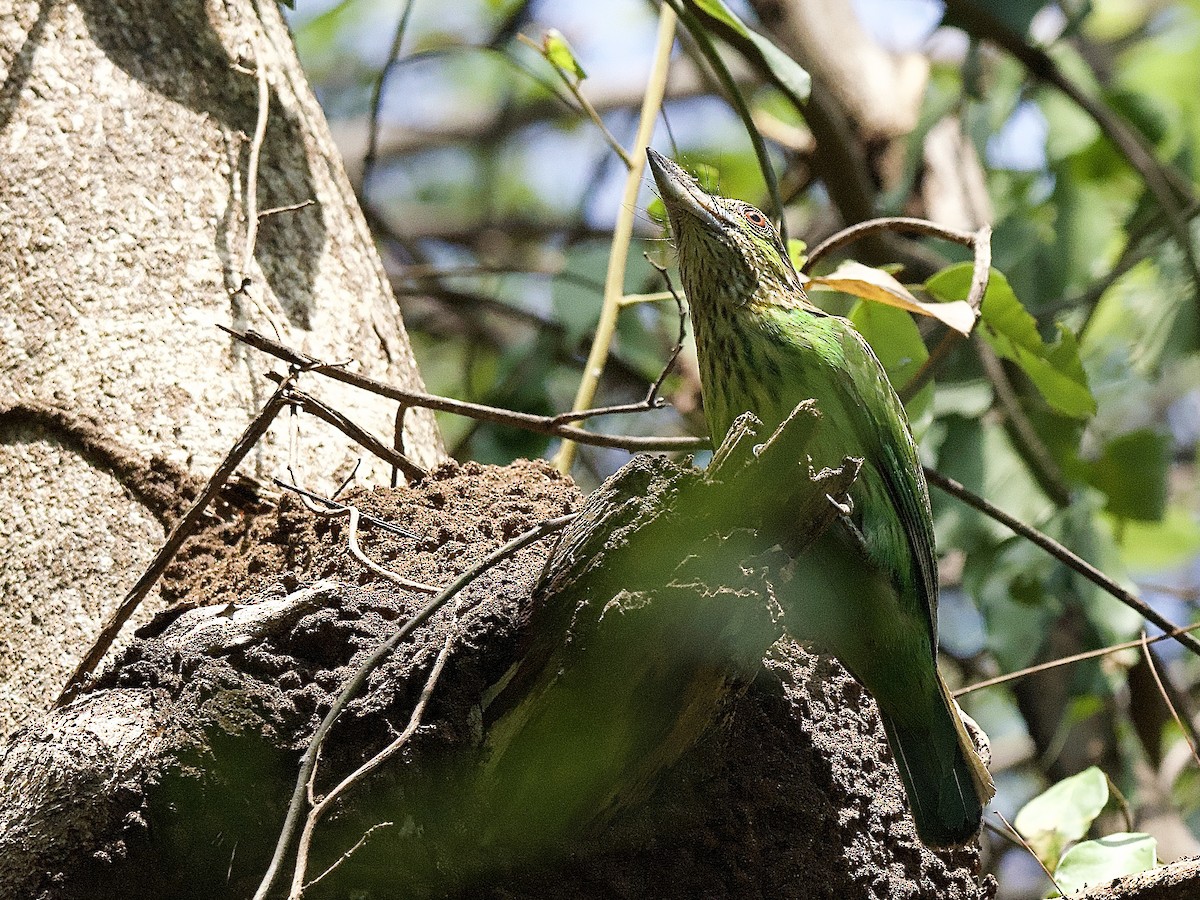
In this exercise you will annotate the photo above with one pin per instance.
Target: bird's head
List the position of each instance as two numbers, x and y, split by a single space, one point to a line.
729 253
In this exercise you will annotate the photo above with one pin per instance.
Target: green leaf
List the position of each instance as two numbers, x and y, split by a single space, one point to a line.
1062 813
797 252
1055 369
560 55
657 210
788 74
1096 862
1132 472
970 398
1070 129
894 337
1155 546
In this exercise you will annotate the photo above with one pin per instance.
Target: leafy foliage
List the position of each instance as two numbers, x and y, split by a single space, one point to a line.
1083 422
1052 822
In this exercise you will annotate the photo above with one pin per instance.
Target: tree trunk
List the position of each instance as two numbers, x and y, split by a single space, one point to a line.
128 134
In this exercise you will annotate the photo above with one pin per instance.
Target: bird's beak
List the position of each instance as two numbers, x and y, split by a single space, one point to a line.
680 192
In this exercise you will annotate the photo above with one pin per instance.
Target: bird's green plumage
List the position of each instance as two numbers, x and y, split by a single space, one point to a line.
763 348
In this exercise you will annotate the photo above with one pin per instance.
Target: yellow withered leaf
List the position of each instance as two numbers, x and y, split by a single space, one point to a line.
875 284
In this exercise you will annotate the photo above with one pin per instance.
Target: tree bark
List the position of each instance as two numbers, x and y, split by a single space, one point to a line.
128 142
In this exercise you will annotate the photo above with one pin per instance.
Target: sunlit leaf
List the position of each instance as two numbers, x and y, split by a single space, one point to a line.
797 252
789 74
894 337
1155 546
1062 813
657 210
1095 862
561 56
875 284
1013 333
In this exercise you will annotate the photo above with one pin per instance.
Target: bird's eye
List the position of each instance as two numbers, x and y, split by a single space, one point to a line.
754 217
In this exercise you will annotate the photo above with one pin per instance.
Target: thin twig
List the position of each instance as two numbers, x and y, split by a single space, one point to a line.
1063 555
182 530
356 551
614 281
372 662
1073 658
704 44
319 809
1025 844
347 481
369 157
585 105
652 400
291 207
648 404
242 274
980 243
1034 449
256 145
1122 801
1189 731
361 436
526 421
398 439
346 856
891 223
655 297
980 275
337 508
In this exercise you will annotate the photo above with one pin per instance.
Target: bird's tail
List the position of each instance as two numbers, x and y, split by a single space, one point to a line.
947 783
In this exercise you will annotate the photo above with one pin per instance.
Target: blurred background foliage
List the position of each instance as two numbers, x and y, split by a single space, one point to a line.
1072 127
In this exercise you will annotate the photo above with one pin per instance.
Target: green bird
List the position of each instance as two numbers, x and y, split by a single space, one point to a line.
763 348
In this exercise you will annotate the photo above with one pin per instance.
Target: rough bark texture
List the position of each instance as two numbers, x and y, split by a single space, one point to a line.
125 133
1178 881
169 779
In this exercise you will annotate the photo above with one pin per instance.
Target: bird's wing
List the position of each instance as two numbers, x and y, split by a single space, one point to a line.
884 434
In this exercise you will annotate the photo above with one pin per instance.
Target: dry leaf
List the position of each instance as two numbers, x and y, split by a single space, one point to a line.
875 284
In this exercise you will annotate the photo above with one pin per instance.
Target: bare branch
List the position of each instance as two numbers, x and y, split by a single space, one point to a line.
311 404
526 421
1063 555
1074 658
1188 729
340 508
368 163
614 279
1031 445
398 580
980 242
652 401
1025 844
